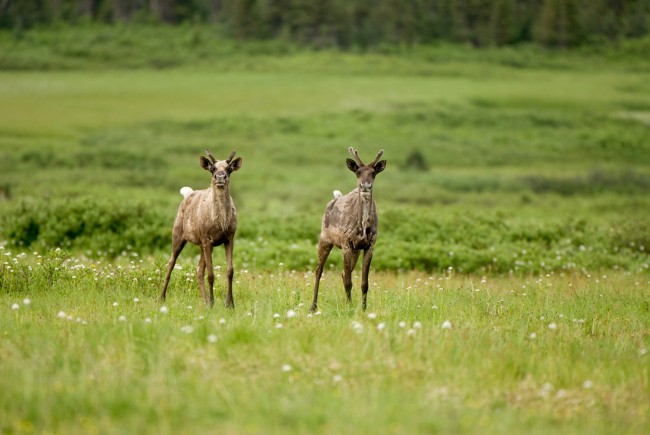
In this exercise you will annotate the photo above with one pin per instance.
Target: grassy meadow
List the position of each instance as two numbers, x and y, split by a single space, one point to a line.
510 288
91 351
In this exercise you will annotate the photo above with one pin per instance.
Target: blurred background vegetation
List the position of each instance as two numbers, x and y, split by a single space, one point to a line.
516 132
360 23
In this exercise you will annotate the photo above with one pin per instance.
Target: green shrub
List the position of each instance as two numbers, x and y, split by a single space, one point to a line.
102 226
409 238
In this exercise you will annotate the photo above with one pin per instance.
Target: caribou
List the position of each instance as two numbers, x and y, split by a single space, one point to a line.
207 218
350 224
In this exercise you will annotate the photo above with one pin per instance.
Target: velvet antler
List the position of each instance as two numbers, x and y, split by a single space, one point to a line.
355 154
379 154
210 156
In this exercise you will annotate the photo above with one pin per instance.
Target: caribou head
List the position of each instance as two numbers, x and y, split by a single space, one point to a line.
365 173
220 169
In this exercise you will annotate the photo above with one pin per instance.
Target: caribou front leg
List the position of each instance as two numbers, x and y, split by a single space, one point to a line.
323 252
365 270
350 257
207 257
200 275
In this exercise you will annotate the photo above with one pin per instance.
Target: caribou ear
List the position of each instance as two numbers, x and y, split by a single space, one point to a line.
205 163
379 166
352 165
236 164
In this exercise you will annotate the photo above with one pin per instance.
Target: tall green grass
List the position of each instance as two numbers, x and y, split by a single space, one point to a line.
86 348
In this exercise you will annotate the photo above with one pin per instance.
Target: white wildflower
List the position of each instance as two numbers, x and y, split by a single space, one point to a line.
15 306
446 325
212 338
372 316
291 313
164 309
187 329
286 368
546 389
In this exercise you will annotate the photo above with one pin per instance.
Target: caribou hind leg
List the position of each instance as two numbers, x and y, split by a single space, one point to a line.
177 247
323 252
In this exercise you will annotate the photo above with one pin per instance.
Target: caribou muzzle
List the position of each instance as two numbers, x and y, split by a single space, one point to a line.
220 179
365 187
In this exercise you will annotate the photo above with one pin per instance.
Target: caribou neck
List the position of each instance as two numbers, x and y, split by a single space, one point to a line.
365 212
221 206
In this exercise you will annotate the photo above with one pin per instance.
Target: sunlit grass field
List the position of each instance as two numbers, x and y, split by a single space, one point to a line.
86 348
510 284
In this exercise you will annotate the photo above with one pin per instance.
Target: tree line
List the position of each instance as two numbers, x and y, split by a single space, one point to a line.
361 23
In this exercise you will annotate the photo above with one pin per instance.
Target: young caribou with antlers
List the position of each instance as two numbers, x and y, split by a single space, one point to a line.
350 223
207 218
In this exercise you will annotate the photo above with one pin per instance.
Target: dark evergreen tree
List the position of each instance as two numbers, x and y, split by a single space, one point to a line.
362 23
502 22
558 24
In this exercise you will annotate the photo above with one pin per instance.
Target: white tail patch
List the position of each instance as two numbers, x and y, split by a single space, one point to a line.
186 191
337 193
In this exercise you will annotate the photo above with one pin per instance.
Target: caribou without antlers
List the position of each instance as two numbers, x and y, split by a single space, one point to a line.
207 218
350 223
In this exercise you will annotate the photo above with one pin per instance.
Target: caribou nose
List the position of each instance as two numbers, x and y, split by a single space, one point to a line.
366 187
220 178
